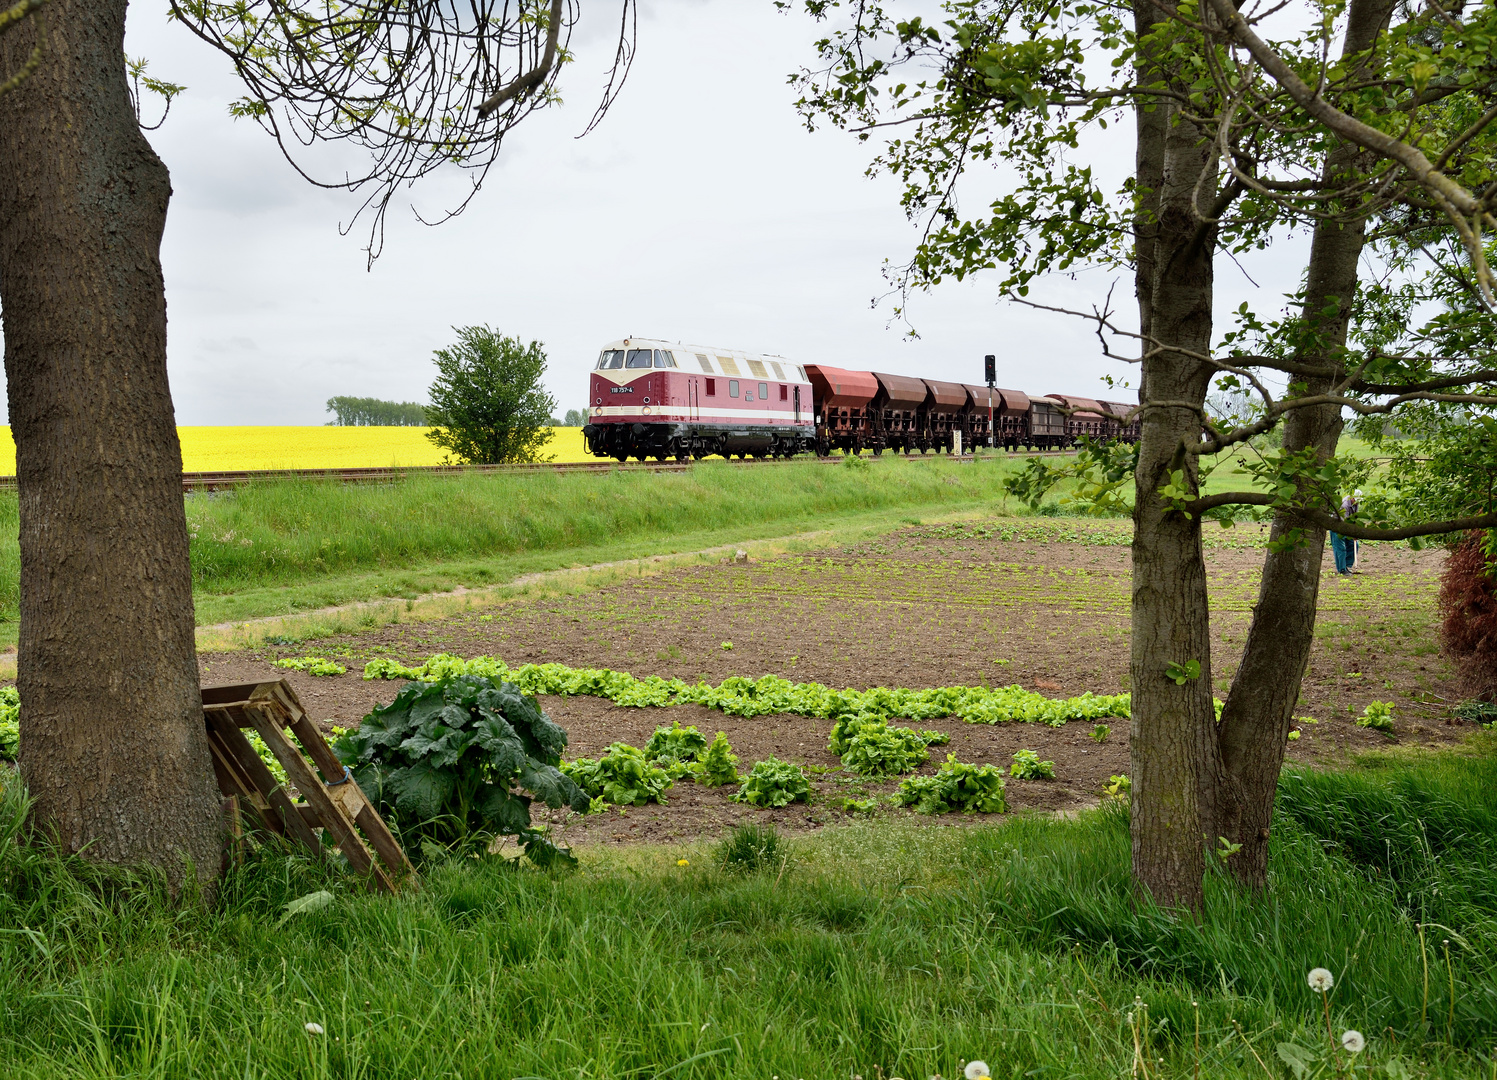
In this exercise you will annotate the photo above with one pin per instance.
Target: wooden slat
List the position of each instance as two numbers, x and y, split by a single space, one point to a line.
261 777
264 715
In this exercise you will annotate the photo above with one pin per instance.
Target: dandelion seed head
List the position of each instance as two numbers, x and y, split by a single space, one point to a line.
976 1070
1320 980
1353 1041
314 1029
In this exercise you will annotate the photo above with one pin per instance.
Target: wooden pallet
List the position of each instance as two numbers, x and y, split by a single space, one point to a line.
333 802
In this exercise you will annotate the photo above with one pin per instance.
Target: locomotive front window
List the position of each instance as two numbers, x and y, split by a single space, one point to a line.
732 388
640 358
611 358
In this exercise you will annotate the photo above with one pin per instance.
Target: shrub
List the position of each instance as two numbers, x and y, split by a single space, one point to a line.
444 759
972 789
1468 606
10 725
718 766
675 743
750 847
773 782
1028 766
623 776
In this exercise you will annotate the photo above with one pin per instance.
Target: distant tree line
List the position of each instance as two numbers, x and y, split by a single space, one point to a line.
372 412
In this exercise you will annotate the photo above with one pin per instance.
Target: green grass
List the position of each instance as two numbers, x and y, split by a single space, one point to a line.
873 948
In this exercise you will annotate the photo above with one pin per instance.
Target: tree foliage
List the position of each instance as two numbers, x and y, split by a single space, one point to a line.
372 412
488 406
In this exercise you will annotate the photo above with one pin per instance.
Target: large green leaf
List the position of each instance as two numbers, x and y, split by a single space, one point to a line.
547 783
504 812
421 790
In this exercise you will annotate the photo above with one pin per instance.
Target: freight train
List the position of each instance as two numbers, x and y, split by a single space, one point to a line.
665 400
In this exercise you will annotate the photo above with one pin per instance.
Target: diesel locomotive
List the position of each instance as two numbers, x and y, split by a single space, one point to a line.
659 399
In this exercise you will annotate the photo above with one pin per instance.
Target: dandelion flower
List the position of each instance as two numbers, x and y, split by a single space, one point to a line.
314 1029
1353 1041
976 1070
683 862
1320 980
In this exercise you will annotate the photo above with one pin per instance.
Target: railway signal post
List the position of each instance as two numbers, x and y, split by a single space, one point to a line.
990 369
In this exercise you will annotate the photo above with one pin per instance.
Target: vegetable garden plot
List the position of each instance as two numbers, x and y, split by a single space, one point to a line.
1036 603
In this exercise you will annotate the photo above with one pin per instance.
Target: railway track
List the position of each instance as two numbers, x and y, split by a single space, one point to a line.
216 481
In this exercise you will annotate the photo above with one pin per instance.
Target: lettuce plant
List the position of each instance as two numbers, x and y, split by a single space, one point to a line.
773 782
623 776
718 766
971 789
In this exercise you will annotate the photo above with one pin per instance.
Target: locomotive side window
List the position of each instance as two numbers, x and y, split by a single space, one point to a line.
611 358
711 387
639 358
729 365
784 390
764 391
758 369
706 364
732 388
663 359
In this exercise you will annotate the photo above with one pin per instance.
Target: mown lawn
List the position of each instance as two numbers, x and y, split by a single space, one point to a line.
870 950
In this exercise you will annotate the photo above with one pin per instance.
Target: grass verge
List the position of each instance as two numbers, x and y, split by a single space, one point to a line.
872 949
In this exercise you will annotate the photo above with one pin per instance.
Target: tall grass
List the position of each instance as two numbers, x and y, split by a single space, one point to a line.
876 947
291 531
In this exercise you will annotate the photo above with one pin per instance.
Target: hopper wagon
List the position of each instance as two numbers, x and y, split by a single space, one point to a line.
663 400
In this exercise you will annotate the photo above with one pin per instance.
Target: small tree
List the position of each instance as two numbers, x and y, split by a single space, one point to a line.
488 406
574 418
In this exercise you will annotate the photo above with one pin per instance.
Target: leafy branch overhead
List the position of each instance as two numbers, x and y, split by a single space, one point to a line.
1408 109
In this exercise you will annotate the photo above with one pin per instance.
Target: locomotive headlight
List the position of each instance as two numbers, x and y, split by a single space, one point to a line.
645 410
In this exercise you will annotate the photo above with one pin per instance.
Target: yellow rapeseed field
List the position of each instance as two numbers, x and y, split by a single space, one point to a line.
224 449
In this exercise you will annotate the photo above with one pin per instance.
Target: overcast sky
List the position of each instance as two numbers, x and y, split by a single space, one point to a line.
700 210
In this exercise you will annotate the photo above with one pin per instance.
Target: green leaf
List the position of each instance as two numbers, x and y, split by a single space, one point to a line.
314 901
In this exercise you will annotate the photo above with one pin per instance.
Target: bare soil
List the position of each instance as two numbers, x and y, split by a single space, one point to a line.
1043 604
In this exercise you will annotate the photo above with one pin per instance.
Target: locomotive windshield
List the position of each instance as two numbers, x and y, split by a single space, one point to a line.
640 358
611 358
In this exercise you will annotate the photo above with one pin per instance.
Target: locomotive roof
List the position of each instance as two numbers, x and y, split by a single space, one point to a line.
707 350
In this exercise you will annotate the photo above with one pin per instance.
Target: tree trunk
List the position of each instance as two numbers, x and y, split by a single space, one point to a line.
1255 722
1172 745
113 746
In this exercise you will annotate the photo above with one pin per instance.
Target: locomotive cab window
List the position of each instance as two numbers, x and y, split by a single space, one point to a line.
764 391
640 358
732 388
663 359
611 358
